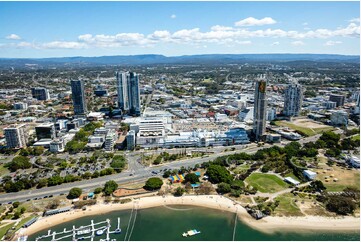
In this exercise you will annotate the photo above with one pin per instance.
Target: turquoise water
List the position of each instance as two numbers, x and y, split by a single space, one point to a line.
168 223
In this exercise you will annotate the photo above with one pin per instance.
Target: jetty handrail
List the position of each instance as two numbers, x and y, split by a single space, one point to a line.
135 218
130 218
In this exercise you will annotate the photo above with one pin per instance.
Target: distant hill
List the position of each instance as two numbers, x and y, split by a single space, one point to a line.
186 59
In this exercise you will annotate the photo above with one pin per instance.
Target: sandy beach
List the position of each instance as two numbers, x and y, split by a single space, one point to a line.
268 224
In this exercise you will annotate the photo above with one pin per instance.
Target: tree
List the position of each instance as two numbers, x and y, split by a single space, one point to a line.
192 178
55 180
53 204
42 183
18 162
340 205
330 138
75 192
17 215
16 204
205 188
317 185
110 187
217 174
22 210
167 174
98 190
153 183
118 163
237 185
179 192
223 188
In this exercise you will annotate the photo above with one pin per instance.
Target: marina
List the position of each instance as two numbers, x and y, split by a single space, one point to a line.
168 223
84 232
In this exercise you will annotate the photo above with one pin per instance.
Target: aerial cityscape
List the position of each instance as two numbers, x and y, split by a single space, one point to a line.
179 121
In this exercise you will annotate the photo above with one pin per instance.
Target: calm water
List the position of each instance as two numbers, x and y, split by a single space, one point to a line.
168 223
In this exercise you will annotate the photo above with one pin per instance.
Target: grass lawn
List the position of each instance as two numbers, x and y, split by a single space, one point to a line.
287 206
241 169
304 130
3 170
346 178
356 137
4 229
266 182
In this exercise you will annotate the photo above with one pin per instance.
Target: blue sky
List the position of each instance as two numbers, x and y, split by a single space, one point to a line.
55 29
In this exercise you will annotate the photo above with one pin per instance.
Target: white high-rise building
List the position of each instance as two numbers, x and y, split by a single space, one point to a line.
128 92
16 136
260 109
293 100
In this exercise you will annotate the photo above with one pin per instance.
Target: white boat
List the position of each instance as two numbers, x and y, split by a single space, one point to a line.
99 232
191 233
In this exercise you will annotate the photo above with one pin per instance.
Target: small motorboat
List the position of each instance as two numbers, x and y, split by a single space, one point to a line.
99 232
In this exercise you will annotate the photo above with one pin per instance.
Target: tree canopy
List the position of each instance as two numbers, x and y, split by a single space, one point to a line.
75 192
192 178
153 183
18 162
217 174
110 187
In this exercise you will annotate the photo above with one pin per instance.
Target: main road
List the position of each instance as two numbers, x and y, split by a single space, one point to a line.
135 173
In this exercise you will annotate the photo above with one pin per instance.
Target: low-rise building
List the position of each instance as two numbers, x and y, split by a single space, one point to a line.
310 175
57 146
339 118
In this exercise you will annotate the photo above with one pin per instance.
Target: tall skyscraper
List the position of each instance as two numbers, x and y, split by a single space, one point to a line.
78 96
128 92
293 100
40 93
260 109
16 136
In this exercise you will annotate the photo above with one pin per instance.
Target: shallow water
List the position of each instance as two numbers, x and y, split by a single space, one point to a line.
168 223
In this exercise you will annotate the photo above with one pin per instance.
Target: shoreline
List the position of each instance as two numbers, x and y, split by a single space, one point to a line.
267 225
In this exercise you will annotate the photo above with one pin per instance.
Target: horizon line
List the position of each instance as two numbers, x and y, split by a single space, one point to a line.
351 55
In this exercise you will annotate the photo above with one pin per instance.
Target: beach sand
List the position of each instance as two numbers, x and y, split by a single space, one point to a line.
267 224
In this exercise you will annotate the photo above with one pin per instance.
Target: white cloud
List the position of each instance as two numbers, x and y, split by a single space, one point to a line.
13 37
255 22
297 43
173 16
245 42
305 24
331 43
222 35
221 28
160 35
355 20
63 45
24 44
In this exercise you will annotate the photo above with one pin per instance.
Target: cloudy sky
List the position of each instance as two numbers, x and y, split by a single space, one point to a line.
55 29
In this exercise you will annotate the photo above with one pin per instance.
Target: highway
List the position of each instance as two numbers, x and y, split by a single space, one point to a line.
135 173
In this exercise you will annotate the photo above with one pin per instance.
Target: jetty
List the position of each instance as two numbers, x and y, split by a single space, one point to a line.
84 232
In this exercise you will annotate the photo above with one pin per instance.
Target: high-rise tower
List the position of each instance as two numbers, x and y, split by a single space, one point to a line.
260 109
78 96
128 92
293 100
